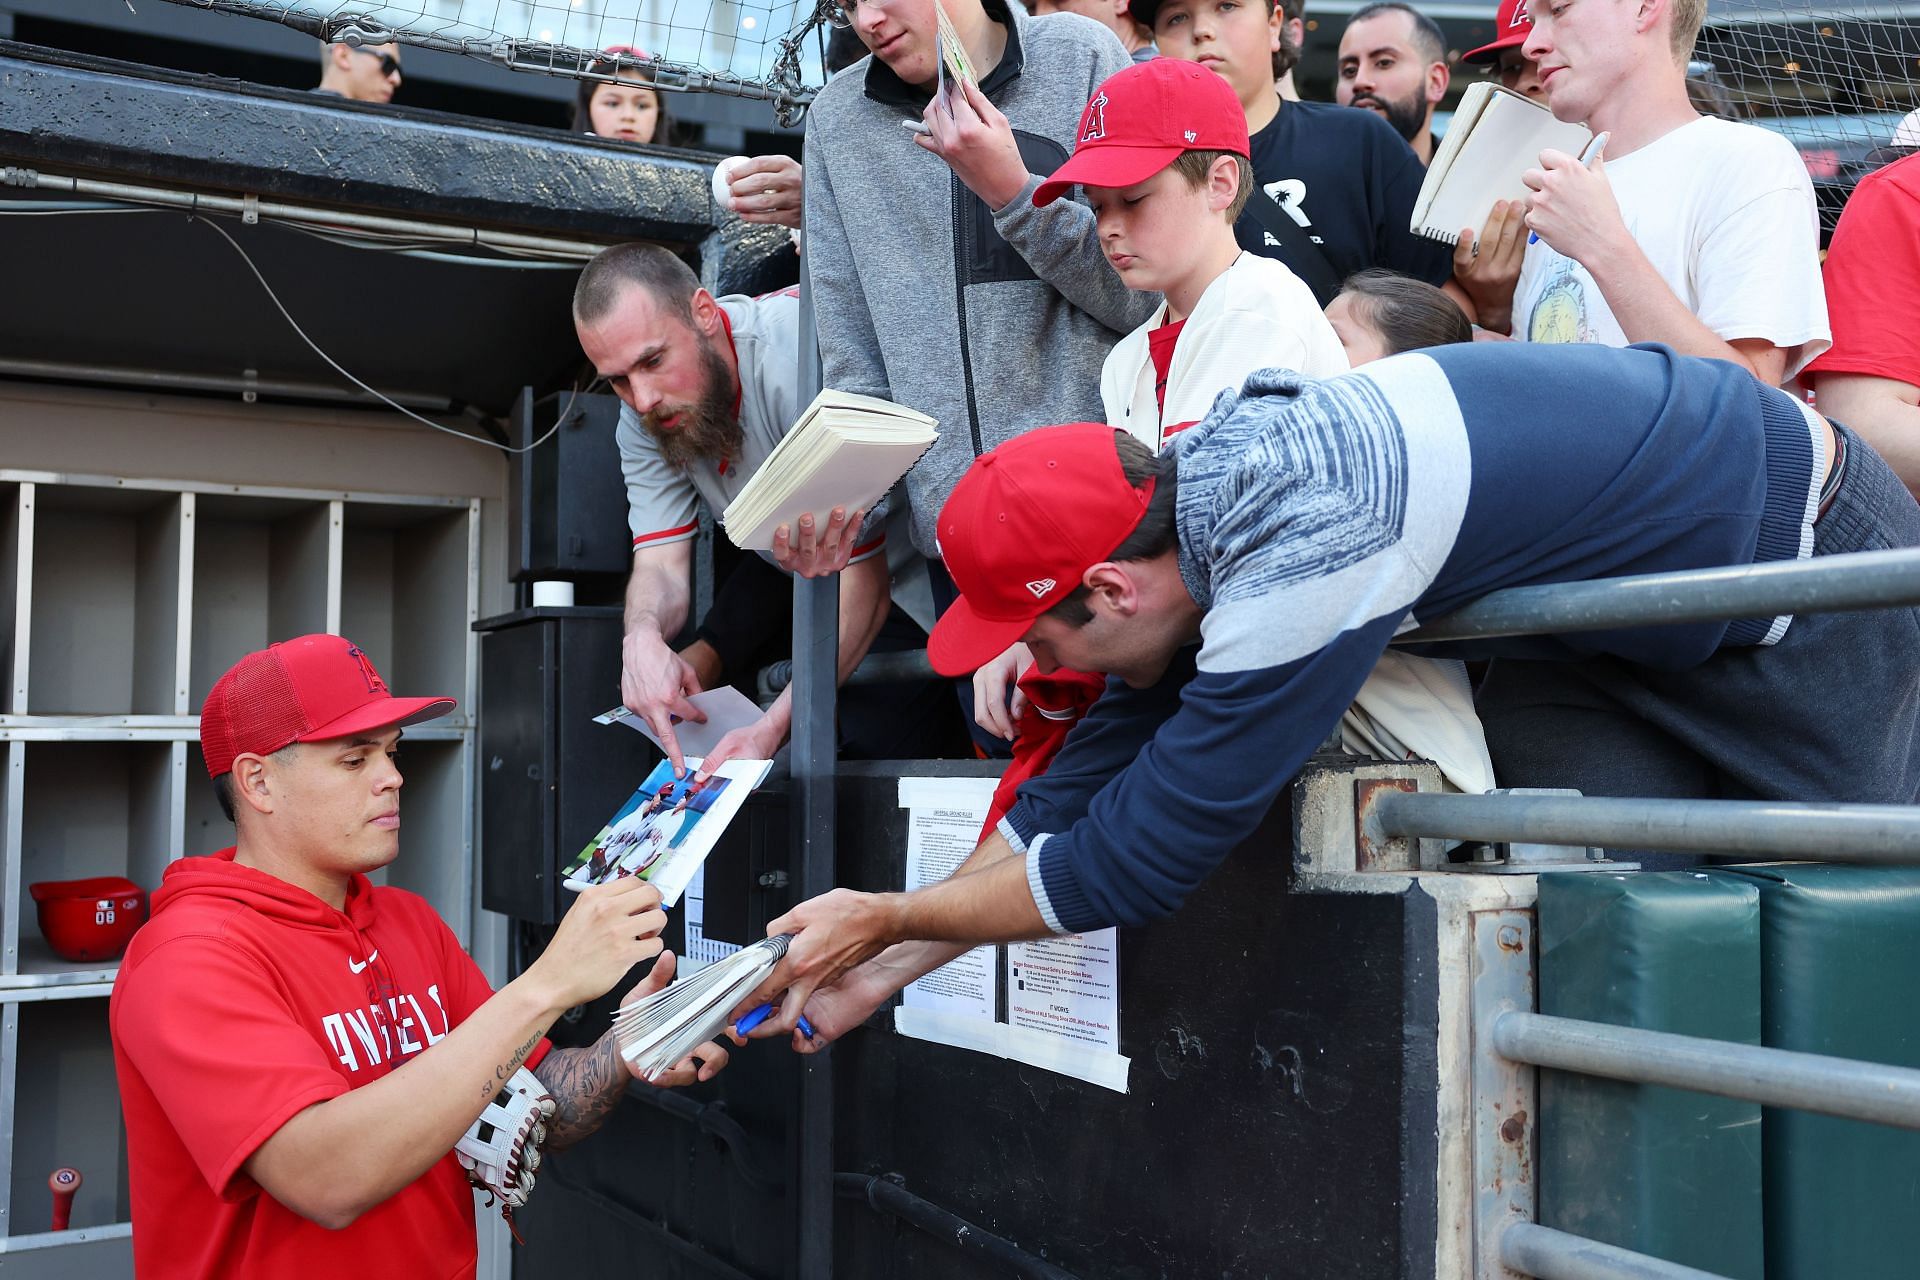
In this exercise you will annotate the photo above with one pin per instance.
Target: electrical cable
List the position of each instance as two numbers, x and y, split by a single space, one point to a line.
560 419
374 241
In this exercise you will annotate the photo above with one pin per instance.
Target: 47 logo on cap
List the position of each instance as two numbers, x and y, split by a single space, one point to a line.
1040 587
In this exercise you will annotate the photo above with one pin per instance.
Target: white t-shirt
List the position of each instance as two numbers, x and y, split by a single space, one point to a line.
1726 214
1255 315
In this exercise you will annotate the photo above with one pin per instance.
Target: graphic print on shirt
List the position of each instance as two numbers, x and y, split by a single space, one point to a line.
1291 195
1561 313
384 1035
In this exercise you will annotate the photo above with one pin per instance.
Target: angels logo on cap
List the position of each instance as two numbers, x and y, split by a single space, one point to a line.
1141 119
1093 125
1522 16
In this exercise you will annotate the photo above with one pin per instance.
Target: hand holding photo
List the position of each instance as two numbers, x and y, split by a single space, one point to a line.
665 830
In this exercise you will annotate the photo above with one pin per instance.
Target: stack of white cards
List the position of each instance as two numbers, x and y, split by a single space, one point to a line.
846 451
657 1033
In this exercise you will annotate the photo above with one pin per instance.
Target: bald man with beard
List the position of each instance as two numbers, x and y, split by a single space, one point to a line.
709 386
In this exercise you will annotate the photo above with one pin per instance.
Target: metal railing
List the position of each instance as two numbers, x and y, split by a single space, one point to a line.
1888 834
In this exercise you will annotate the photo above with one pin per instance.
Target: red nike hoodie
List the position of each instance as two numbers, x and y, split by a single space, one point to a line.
245 1000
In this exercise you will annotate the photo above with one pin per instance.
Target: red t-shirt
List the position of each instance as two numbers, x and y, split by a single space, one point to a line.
245 1000
1057 700
1160 344
1873 278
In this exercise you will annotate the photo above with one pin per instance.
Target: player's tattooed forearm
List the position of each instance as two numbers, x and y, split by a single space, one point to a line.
586 1085
506 1069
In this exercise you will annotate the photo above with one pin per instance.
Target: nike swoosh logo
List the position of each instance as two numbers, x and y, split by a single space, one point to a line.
372 956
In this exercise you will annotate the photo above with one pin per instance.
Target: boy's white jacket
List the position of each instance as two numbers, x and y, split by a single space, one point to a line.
1256 314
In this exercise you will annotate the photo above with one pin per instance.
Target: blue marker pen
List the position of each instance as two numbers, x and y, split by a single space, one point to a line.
1593 147
755 1016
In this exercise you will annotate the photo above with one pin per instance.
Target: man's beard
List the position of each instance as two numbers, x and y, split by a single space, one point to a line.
708 430
1407 117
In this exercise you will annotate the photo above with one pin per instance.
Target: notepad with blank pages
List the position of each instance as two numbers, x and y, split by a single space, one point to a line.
1496 136
846 451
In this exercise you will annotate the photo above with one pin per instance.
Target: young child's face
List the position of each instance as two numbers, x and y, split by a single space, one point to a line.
1148 230
1351 324
1236 39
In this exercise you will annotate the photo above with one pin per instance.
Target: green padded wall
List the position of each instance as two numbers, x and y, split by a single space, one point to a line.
1661 1171
1840 950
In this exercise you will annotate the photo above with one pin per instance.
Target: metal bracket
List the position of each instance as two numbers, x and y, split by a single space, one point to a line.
1373 851
1504 1103
250 210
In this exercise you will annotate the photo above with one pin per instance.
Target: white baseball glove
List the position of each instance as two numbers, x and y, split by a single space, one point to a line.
501 1151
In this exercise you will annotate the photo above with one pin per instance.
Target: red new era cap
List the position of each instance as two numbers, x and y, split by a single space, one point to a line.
303 690
1022 527
1141 119
1510 25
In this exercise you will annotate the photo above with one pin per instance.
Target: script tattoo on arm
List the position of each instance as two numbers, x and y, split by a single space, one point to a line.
586 1085
503 1072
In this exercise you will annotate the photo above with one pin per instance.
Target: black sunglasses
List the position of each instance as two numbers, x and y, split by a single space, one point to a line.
389 65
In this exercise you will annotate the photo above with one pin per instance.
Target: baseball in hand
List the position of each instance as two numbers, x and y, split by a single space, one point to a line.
723 180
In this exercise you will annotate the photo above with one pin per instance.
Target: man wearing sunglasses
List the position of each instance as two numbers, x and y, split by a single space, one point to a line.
364 73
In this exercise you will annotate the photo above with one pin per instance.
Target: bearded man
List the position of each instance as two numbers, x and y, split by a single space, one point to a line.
1393 62
709 386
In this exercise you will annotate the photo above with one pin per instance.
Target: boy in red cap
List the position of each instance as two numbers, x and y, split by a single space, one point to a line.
1162 156
1507 51
261 1017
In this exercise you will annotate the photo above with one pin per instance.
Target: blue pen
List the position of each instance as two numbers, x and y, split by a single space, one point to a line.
1598 141
754 1017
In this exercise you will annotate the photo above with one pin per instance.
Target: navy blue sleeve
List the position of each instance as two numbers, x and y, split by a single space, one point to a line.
1198 788
1395 175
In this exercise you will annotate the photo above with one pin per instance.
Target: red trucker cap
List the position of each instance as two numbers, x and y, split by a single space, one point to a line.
1510 25
303 690
1141 119
1022 527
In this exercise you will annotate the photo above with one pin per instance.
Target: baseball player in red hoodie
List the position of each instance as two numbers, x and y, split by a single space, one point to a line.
262 1018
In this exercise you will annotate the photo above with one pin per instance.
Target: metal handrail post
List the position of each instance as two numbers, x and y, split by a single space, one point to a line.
1739 828
1540 1251
816 628
1772 1077
1856 580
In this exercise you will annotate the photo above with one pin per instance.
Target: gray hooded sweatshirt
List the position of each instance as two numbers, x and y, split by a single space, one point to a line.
891 232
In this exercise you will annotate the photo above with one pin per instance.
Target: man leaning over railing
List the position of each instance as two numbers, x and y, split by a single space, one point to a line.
1295 532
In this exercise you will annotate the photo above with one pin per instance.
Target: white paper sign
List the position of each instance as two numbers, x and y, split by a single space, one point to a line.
943 827
1068 988
1062 994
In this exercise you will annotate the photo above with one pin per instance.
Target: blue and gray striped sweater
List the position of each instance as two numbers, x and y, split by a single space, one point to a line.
1319 519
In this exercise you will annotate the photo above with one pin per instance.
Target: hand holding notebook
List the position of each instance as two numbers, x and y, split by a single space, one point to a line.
846 451
1496 136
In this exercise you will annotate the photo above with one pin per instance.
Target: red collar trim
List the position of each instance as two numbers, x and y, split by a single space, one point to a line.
726 327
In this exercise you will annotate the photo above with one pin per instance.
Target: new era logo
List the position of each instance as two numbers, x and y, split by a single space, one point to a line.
1040 587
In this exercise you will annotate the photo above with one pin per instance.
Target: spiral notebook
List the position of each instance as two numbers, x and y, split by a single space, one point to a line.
1496 136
